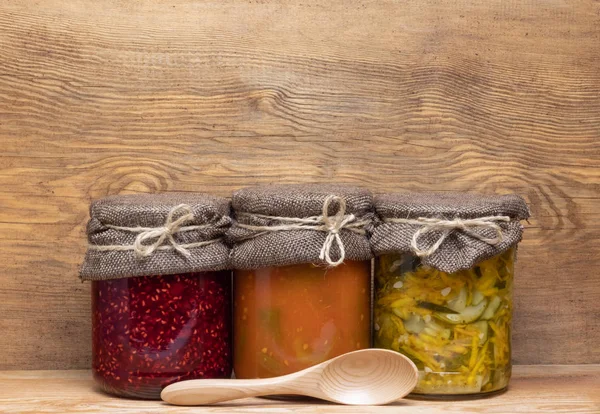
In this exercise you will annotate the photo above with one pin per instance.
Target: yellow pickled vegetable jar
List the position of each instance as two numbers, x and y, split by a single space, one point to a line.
443 287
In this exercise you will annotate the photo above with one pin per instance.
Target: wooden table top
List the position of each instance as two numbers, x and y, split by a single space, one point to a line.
534 388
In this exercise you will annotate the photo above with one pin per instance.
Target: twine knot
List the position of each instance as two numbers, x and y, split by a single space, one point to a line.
164 233
332 225
446 227
158 235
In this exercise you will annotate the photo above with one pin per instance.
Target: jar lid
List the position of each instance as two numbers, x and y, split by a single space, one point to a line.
278 225
448 231
156 234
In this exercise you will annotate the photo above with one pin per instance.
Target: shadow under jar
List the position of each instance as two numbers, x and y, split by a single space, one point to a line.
301 294
161 294
443 287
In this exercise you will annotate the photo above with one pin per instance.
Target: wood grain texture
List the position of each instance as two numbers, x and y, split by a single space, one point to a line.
534 389
103 97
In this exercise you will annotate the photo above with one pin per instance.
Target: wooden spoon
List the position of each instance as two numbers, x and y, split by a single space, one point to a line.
365 377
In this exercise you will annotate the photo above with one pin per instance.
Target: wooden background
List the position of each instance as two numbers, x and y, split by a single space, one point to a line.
101 97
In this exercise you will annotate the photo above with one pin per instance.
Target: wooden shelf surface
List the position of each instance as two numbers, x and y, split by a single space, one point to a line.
534 388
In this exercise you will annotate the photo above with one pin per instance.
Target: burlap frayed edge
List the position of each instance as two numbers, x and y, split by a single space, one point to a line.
180 245
390 235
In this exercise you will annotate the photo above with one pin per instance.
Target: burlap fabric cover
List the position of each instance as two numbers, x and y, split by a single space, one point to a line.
459 250
255 248
151 211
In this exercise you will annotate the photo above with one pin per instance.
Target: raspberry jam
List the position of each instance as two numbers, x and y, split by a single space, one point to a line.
151 331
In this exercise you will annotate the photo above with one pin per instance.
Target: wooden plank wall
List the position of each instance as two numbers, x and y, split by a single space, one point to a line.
101 97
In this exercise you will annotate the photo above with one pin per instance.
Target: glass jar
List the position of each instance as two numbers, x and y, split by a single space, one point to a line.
454 326
151 331
292 317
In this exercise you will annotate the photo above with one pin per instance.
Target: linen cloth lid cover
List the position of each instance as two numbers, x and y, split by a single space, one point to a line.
459 249
256 208
207 221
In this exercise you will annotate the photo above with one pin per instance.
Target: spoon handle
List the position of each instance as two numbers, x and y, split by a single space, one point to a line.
210 391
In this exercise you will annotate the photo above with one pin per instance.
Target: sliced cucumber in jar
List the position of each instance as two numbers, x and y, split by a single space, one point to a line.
459 303
482 328
436 330
414 324
477 297
468 315
491 308
434 307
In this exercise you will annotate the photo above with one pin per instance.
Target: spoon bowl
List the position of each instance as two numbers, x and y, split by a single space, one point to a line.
365 377
368 378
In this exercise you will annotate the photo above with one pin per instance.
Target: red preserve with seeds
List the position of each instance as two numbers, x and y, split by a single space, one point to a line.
149 332
161 291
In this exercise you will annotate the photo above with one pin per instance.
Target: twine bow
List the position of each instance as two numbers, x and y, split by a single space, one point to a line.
467 226
159 235
332 225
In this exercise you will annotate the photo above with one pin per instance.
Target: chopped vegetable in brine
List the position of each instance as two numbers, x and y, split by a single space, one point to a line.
455 327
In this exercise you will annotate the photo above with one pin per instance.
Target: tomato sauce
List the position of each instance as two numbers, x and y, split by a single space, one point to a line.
290 318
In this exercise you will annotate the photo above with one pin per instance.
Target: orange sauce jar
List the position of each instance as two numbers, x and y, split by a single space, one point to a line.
292 317
302 278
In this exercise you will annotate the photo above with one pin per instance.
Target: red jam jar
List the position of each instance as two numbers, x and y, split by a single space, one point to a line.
161 294
151 331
